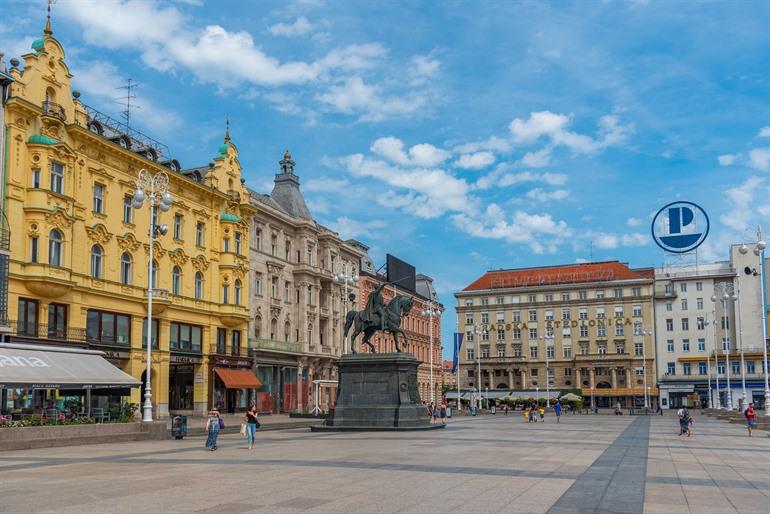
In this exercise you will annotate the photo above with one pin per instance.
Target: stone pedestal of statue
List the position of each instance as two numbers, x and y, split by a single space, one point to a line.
378 391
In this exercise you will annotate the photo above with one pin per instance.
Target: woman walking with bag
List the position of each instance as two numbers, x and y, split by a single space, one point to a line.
252 424
213 424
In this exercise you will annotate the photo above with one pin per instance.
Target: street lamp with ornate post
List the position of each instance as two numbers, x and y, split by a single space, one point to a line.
548 339
345 278
430 311
727 293
479 332
717 403
154 189
646 392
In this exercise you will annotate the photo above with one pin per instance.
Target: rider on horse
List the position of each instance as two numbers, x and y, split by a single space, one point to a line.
375 307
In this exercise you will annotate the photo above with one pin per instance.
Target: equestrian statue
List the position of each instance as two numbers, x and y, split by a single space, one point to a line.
378 317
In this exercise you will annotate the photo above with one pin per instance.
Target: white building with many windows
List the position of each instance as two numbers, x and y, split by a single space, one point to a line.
708 323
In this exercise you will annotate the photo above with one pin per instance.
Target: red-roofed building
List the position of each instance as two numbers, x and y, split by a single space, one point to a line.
586 326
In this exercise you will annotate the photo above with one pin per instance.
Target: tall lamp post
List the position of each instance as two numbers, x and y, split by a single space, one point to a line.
154 189
431 311
643 333
717 403
548 339
727 293
479 332
759 251
345 278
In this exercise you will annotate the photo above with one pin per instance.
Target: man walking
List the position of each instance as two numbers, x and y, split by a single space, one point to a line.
557 411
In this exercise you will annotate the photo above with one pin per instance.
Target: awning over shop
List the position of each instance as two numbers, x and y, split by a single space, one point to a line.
238 378
54 367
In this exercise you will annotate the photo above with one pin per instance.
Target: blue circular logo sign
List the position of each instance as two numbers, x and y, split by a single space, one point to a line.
680 227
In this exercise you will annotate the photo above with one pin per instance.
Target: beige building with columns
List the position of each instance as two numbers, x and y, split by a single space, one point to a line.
586 321
297 310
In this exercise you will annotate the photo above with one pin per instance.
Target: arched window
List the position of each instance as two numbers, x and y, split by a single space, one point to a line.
96 261
50 95
198 285
273 329
225 293
154 275
176 280
258 327
125 268
55 243
310 333
237 292
286 331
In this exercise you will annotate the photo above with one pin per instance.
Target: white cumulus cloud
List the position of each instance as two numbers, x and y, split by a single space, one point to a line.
759 159
727 159
300 27
475 161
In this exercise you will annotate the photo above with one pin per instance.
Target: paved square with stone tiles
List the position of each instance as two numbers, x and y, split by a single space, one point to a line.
500 463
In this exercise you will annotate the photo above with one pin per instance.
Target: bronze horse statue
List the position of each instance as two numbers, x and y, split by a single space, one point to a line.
399 307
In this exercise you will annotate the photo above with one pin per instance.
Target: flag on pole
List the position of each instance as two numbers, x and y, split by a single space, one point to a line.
457 344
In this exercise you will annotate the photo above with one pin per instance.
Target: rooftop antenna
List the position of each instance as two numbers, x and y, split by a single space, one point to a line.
130 95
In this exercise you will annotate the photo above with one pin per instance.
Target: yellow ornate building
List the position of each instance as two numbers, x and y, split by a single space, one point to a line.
79 251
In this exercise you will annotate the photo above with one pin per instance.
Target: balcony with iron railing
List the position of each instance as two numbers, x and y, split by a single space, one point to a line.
37 331
602 356
5 234
231 350
54 110
278 346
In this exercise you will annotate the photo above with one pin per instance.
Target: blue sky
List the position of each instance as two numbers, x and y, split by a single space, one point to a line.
460 136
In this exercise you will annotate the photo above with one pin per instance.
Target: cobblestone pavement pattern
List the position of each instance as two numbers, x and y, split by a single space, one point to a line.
488 464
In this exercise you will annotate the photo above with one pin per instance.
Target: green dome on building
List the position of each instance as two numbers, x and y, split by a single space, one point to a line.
229 217
40 139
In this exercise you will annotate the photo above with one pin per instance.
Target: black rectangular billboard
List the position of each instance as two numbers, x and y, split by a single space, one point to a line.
401 274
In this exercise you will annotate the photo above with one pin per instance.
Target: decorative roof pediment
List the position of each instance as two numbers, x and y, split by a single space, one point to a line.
200 263
99 234
128 243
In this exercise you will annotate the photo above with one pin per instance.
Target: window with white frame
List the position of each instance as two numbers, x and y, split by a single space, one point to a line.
468 318
533 315
501 317
566 332
619 330
485 318
699 303
701 345
685 323
516 333
618 311
567 352
636 291
669 325
600 312
637 311
565 313
601 330
98 204
669 306
684 304
671 368
533 333
533 352
516 316
583 330
638 349
600 293
583 313
549 315
699 286
57 177
485 352
670 346
582 295
685 345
